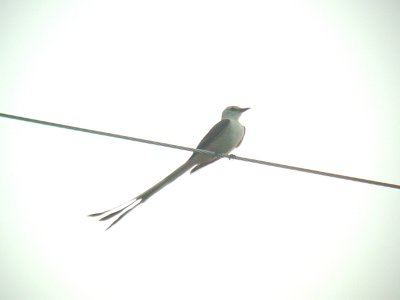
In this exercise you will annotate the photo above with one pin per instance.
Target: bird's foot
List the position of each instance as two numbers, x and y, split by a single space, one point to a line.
232 156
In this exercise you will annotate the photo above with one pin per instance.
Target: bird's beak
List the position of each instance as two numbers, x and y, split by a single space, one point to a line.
244 109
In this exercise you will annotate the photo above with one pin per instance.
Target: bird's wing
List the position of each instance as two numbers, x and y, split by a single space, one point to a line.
213 133
208 139
199 166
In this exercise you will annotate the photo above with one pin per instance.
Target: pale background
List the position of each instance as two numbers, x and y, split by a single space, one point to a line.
323 81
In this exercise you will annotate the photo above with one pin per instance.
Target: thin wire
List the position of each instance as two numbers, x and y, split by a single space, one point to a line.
211 153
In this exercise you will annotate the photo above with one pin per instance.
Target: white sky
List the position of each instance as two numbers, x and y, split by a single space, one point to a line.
323 82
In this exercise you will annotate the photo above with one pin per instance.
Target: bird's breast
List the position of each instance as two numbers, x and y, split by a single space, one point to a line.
228 139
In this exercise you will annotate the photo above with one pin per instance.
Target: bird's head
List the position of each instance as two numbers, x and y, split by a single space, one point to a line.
233 112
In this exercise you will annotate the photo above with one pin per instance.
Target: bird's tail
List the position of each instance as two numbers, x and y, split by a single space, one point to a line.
122 210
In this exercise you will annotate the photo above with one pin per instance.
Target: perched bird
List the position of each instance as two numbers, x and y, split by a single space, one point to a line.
225 136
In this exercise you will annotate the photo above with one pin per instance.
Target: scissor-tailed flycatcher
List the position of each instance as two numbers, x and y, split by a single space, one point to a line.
225 136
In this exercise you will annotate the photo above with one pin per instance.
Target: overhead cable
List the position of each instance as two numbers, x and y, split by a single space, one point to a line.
230 156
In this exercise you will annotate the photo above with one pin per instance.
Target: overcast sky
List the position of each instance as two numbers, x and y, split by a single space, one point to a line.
323 84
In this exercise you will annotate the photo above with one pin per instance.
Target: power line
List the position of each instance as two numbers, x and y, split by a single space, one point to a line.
230 156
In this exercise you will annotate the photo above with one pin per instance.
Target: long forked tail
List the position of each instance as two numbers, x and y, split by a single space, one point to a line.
122 210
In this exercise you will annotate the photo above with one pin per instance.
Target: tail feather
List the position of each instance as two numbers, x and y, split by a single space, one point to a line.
124 213
108 210
109 216
125 208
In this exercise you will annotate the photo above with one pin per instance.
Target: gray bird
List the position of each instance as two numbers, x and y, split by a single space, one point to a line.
223 137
